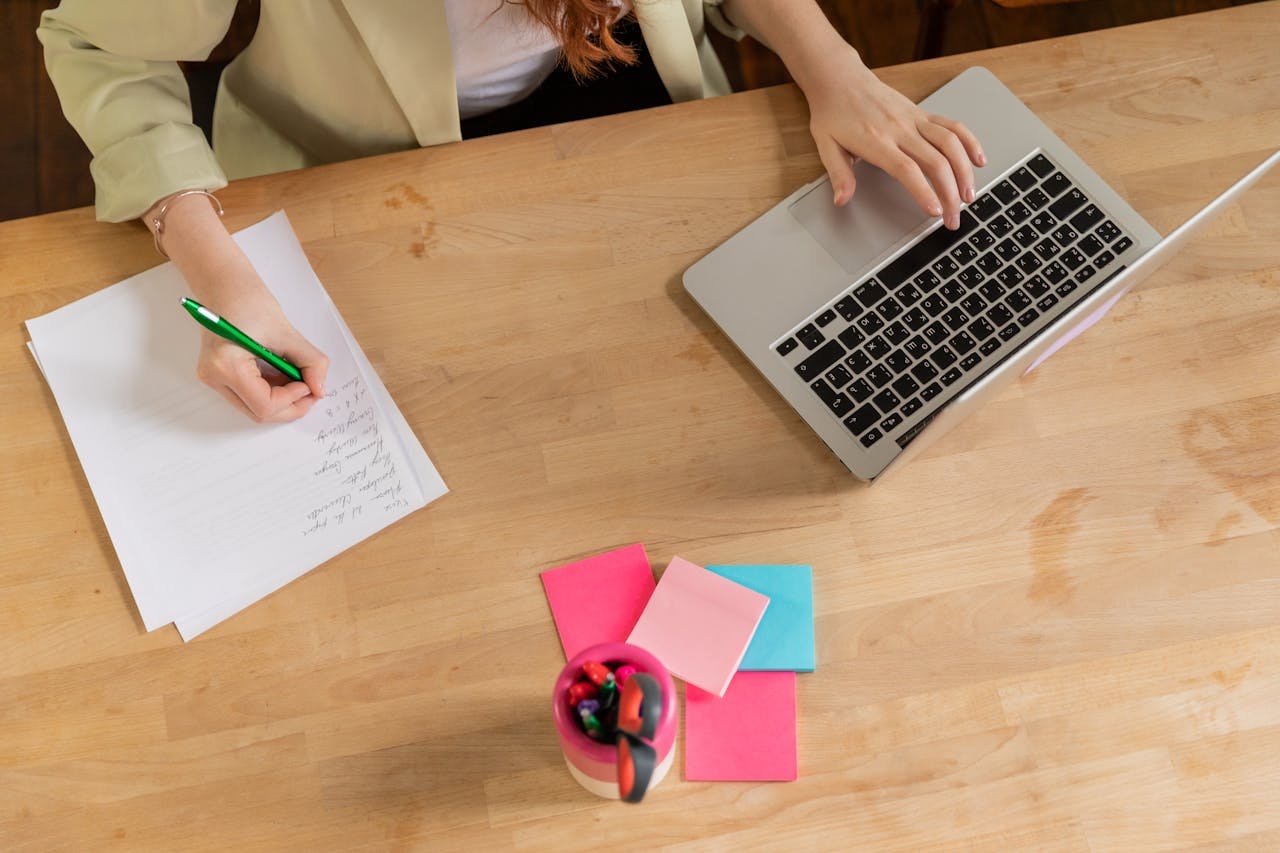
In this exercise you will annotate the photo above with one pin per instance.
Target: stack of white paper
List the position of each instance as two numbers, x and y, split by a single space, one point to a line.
208 511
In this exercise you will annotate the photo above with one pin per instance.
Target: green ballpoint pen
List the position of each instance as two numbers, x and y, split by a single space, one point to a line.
220 327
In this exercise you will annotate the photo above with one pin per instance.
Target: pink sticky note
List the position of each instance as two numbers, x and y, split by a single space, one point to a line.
599 599
749 735
699 624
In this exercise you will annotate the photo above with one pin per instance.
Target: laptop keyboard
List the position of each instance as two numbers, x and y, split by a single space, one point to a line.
890 350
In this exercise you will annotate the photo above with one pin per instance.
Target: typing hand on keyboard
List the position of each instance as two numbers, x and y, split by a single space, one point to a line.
854 114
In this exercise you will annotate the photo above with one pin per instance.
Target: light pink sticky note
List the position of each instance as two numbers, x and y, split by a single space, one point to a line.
699 624
749 735
599 599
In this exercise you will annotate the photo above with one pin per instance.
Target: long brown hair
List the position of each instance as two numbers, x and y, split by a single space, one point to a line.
584 29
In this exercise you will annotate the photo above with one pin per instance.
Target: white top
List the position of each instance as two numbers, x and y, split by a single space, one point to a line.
500 55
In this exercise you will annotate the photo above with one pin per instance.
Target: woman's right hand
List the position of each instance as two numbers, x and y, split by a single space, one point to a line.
223 280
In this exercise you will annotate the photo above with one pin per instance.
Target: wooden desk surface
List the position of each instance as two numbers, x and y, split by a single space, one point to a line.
1058 629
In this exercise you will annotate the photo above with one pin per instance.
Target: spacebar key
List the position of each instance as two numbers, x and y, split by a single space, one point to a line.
822 358
934 244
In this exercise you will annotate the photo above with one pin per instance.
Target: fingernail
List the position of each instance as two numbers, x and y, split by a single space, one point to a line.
982 158
935 210
969 194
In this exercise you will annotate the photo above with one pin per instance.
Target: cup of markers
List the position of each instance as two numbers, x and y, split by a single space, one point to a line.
614 707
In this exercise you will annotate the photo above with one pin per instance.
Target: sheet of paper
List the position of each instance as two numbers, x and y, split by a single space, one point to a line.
784 639
208 511
699 624
599 599
748 735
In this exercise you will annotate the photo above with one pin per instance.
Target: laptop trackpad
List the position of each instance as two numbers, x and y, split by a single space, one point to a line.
879 218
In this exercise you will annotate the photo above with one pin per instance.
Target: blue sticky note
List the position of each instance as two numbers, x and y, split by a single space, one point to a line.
784 639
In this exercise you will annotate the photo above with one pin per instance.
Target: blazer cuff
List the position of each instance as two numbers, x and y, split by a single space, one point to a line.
134 173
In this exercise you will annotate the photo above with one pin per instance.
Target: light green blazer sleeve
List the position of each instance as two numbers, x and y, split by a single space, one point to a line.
115 68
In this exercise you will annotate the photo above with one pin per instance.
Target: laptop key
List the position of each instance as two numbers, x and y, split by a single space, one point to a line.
973 303
869 293
1047 302
876 347
1121 245
1090 245
930 391
1040 164
970 362
999 314
836 402
1018 212
860 390
1036 199
1005 191
1055 272
1103 259
955 318
826 318
1010 332
984 207
944 357
926 281
917 347
1043 222
1065 288
859 362
1065 235
1029 263
924 371
908 295
849 308
1018 300
962 342
786 346
1073 259
982 240
1087 218
810 336
914 319
870 323
1008 249
981 328
1047 249
890 308
1056 184
1023 178
936 332
1026 318
990 346
891 423
818 363
886 400
1107 231
863 418
851 337
898 361
999 227
910 407
871 438
839 376
1067 203
905 385
1037 287
989 263
1085 273
951 376
896 333
879 376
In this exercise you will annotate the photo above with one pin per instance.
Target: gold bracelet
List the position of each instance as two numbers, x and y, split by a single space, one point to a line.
157 221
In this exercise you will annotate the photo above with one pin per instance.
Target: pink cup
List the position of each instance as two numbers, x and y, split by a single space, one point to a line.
593 763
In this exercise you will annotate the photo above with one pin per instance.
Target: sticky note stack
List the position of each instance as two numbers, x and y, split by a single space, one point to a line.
736 634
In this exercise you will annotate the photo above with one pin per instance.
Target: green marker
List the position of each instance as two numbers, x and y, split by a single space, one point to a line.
223 329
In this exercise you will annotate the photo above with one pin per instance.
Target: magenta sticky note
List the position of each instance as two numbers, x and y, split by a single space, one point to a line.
748 735
699 624
599 599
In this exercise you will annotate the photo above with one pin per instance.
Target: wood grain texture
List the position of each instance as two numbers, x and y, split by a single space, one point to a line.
1057 630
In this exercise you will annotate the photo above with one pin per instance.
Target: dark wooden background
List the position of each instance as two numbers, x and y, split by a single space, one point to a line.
44 166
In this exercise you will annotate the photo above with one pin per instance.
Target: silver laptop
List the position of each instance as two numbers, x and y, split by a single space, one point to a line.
883 329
